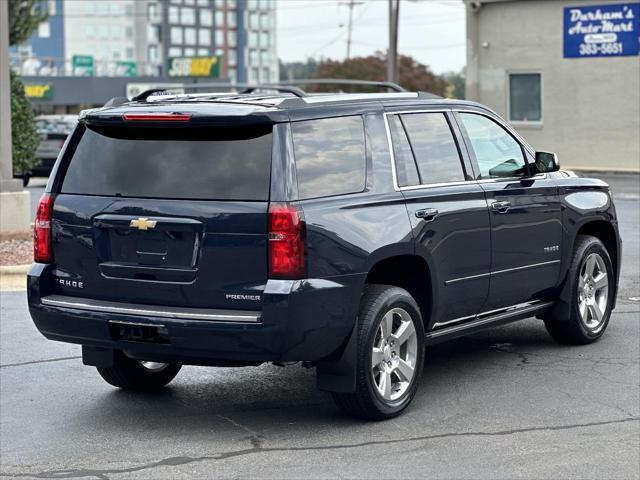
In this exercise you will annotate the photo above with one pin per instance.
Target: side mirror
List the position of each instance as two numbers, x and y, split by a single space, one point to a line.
546 162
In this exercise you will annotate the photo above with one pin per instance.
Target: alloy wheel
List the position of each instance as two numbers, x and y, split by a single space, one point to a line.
153 366
593 292
394 354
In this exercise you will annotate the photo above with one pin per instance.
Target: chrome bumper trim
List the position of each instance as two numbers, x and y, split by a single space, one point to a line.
185 313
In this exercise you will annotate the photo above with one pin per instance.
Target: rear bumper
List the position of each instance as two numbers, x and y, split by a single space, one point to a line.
300 320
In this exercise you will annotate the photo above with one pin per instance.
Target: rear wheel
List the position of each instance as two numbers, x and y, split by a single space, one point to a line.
592 290
390 354
139 375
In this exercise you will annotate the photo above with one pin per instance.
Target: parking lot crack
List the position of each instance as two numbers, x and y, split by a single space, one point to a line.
33 362
179 461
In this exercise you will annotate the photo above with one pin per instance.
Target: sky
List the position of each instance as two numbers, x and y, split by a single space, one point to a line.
431 31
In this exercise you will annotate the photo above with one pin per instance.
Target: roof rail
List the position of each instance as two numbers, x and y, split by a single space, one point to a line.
345 81
241 87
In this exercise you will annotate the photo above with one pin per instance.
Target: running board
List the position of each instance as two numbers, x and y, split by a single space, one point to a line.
482 322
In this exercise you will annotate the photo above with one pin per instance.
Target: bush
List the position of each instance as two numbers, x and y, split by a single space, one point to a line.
24 136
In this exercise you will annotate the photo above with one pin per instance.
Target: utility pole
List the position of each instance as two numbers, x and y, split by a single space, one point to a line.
392 53
351 4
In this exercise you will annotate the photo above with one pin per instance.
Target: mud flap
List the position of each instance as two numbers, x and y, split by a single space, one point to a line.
97 357
340 375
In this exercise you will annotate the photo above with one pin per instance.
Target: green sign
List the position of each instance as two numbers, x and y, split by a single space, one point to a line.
82 65
126 68
39 91
194 66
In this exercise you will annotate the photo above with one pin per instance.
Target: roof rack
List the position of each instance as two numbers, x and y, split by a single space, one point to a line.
345 81
241 87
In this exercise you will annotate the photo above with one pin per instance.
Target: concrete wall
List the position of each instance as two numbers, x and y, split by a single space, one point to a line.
590 106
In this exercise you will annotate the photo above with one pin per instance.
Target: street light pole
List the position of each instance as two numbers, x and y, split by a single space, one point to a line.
392 53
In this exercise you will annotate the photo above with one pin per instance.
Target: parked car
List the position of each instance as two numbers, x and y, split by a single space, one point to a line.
54 130
344 231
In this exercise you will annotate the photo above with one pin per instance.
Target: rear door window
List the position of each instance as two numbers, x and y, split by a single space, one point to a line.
186 163
434 147
330 156
406 167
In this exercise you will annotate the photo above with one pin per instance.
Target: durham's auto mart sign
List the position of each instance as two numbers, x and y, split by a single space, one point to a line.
609 30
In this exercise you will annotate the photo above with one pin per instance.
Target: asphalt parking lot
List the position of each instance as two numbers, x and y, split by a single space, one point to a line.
505 403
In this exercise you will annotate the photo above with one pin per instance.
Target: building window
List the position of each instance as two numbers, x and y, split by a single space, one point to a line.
203 52
190 36
174 15
44 30
116 32
153 53
189 52
231 19
204 36
231 38
188 16
206 18
203 3
175 52
219 38
128 31
152 12
253 39
51 7
264 39
103 31
253 20
232 56
115 10
153 33
266 75
176 35
189 2
90 31
525 97
264 57
103 9
232 74
219 3
264 21
219 18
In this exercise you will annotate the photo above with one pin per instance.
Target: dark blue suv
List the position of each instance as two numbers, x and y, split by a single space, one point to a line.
344 231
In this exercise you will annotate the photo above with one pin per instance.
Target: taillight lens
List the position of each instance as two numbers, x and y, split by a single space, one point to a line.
42 247
286 242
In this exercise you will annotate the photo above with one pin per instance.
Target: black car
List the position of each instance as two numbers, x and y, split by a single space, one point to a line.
344 231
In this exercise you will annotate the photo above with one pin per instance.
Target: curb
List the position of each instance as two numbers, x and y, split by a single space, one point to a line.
13 277
14 269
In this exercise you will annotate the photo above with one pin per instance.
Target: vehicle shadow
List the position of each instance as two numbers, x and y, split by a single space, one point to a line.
216 402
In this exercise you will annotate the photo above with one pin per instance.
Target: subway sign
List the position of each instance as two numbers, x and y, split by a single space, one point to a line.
194 66
609 30
42 91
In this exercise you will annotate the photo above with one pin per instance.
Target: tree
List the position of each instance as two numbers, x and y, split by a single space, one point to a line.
456 84
24 136
412 74
24 18
297 70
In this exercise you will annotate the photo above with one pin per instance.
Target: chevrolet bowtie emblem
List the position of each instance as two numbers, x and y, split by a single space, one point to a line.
143 223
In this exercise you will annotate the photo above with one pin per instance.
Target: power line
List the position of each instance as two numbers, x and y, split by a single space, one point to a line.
351 4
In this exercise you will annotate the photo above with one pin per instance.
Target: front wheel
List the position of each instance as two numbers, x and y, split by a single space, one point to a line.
592 291
138 375
390 354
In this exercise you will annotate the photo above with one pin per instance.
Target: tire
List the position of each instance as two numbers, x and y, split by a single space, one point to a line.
382 389
590 260
130 374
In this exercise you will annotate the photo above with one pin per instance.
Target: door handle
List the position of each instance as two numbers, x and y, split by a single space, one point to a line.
427 214
500 207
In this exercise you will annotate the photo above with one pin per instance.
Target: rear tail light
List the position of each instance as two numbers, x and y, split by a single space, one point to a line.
286 242
42 245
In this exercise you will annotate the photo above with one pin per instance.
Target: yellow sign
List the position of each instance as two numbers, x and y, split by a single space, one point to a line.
42 91
194 67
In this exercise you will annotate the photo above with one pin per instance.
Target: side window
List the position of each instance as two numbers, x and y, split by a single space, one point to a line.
498 154
330 156
434 147
406 168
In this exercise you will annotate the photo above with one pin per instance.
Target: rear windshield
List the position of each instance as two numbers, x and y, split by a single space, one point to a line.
206 164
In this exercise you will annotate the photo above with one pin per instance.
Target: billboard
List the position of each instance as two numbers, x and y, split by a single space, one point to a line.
609 30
